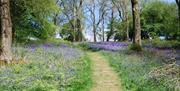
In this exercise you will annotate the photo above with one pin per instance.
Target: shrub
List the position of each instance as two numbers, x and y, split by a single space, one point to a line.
135 47
83 45
165 43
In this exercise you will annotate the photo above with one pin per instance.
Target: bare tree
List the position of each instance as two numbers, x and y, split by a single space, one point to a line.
97 10
91 8
102 14
6 31
136 22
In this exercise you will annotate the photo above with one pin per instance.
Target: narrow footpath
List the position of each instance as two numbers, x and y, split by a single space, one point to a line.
105 79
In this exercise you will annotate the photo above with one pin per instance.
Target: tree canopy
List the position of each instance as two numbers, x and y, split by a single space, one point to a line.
33 18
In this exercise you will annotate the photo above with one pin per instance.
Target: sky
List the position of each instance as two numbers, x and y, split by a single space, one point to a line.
169 0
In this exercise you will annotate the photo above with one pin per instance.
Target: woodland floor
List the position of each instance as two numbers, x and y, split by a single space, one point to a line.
103 76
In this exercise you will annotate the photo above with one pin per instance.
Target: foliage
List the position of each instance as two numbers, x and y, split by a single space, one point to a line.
72 19
120 33
134 71
53 41
46 67
32 18
160 19
67 32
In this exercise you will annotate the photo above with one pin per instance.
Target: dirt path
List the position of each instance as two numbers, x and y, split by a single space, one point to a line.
103 75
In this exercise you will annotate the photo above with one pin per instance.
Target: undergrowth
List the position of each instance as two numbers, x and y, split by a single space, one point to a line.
47 69
139 72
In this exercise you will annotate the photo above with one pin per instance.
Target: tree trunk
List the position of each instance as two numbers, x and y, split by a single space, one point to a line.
111 25
94 32
136 22
108 37
103 30
178 4
79 35
127 22
6 31
94 22
55 23
74 21
78 18
127 30
94 28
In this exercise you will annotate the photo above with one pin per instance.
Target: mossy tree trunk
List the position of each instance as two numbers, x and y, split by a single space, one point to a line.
178 4
136 22
79 25
6 31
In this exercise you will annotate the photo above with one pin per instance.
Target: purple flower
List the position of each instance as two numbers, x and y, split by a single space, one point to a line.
112 46
33 45
46 45
32 49
63 46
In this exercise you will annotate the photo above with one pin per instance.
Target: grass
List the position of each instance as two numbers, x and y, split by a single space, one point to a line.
134 70
47 69
85 83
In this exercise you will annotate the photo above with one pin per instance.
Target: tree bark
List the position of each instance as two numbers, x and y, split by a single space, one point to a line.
136 22
178 4
94 28
6 31
94 32
126 20
74 21
127 29
94 21
103 30
79 35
